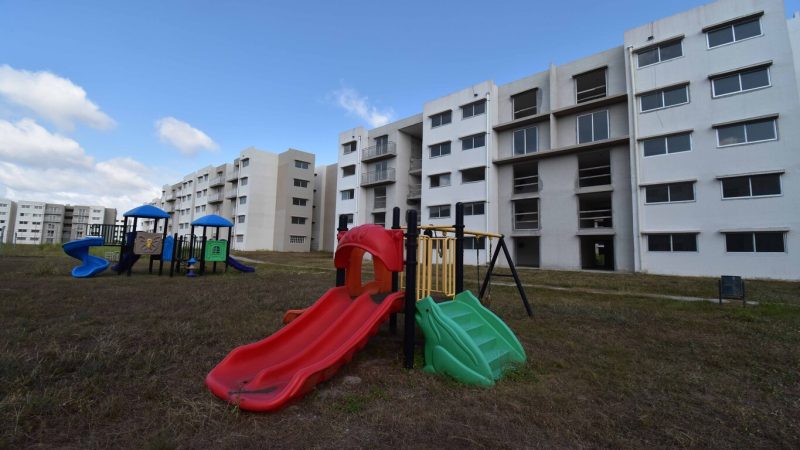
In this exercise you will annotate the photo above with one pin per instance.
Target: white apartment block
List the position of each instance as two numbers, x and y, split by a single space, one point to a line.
323 217
267 196
28 222
670 154
8 214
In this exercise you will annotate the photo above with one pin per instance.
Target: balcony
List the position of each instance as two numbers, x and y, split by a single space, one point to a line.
232 176
216 181
379 151
376 177
216 197
169 197
415 166
414 191
526 214
595 211
230 193
169 207
594 169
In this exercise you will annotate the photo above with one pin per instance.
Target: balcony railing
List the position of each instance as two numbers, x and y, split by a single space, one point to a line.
526 215
215 197
169 197
416 165
378 151
594 176
216 181
378 176
414 191
230 193
232 176
169 207
379 203
595 218
526 184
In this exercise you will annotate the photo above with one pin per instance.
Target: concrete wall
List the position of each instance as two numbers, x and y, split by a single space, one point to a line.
8 216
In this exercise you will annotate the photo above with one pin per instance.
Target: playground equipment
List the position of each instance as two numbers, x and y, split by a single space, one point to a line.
463 339
206 250
90 265
138 243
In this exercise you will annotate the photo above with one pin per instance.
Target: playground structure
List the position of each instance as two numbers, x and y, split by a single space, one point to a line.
173 249
463 339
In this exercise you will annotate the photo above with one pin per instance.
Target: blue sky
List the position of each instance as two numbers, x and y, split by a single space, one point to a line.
222 76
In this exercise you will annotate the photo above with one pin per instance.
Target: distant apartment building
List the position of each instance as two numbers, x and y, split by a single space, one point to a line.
323 216
673 153
267 196
8 214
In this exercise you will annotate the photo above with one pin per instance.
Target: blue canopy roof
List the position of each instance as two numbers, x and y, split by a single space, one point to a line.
148 211
212 220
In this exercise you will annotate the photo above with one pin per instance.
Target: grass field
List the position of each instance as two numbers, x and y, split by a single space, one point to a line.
120 361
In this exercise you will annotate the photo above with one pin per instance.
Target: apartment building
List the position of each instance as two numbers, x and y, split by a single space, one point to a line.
8 214
267 196
53 229
28 222
323 216
668 154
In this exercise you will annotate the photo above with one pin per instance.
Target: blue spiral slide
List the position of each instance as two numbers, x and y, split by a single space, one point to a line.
90 265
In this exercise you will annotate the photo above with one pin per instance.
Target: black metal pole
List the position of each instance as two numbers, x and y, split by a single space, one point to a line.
191 243
395 275
155 229
228 249
511 266
340 275
459 226
122 245
216 238
203 254
163 240
409 324
174 254
132 244
489 272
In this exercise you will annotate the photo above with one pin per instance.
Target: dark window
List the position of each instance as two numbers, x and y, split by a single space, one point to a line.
741 81
439 211
298 220
349 147
301 164
299 201
473 243
593 127
751 186
526 214
348 194
443 118
474 209
667 144
659 243
473 109
590 85
524 104
739 242
474 174
379 219
733 32
762 242
440 180
300 183
769 242
440 149
746 132
665 97
348 171
526 178
525 141
474 141
673 192
677 242
661 52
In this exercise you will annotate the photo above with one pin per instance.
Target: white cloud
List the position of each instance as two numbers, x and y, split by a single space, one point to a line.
55 99
36 164
184 137
358 105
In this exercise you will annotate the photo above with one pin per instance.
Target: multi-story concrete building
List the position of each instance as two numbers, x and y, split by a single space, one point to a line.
669 154
28 222
8 214
323 216
53 224
267 196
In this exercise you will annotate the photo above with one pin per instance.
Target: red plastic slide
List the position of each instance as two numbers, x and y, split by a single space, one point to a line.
265 375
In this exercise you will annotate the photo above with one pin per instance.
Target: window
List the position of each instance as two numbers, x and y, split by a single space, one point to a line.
297 239
242 182
196 209
660 52
594 168
439 211
474 208
474 141
674 242
746 80
298 220
349 147
473 109
759 242
240 219
239 238
350 218
474 243
299 201
733 32
593 127
662 145
440 149
245 162
526 214
300 183
348 194
668 193
379 197
443 118
473 175
526 178
379 219
440 180
526 140
348 171
242 200
664 98
524 104
301 164
747 132
751 186
590 85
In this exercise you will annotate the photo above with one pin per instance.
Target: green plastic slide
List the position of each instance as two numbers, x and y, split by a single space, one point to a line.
466 341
